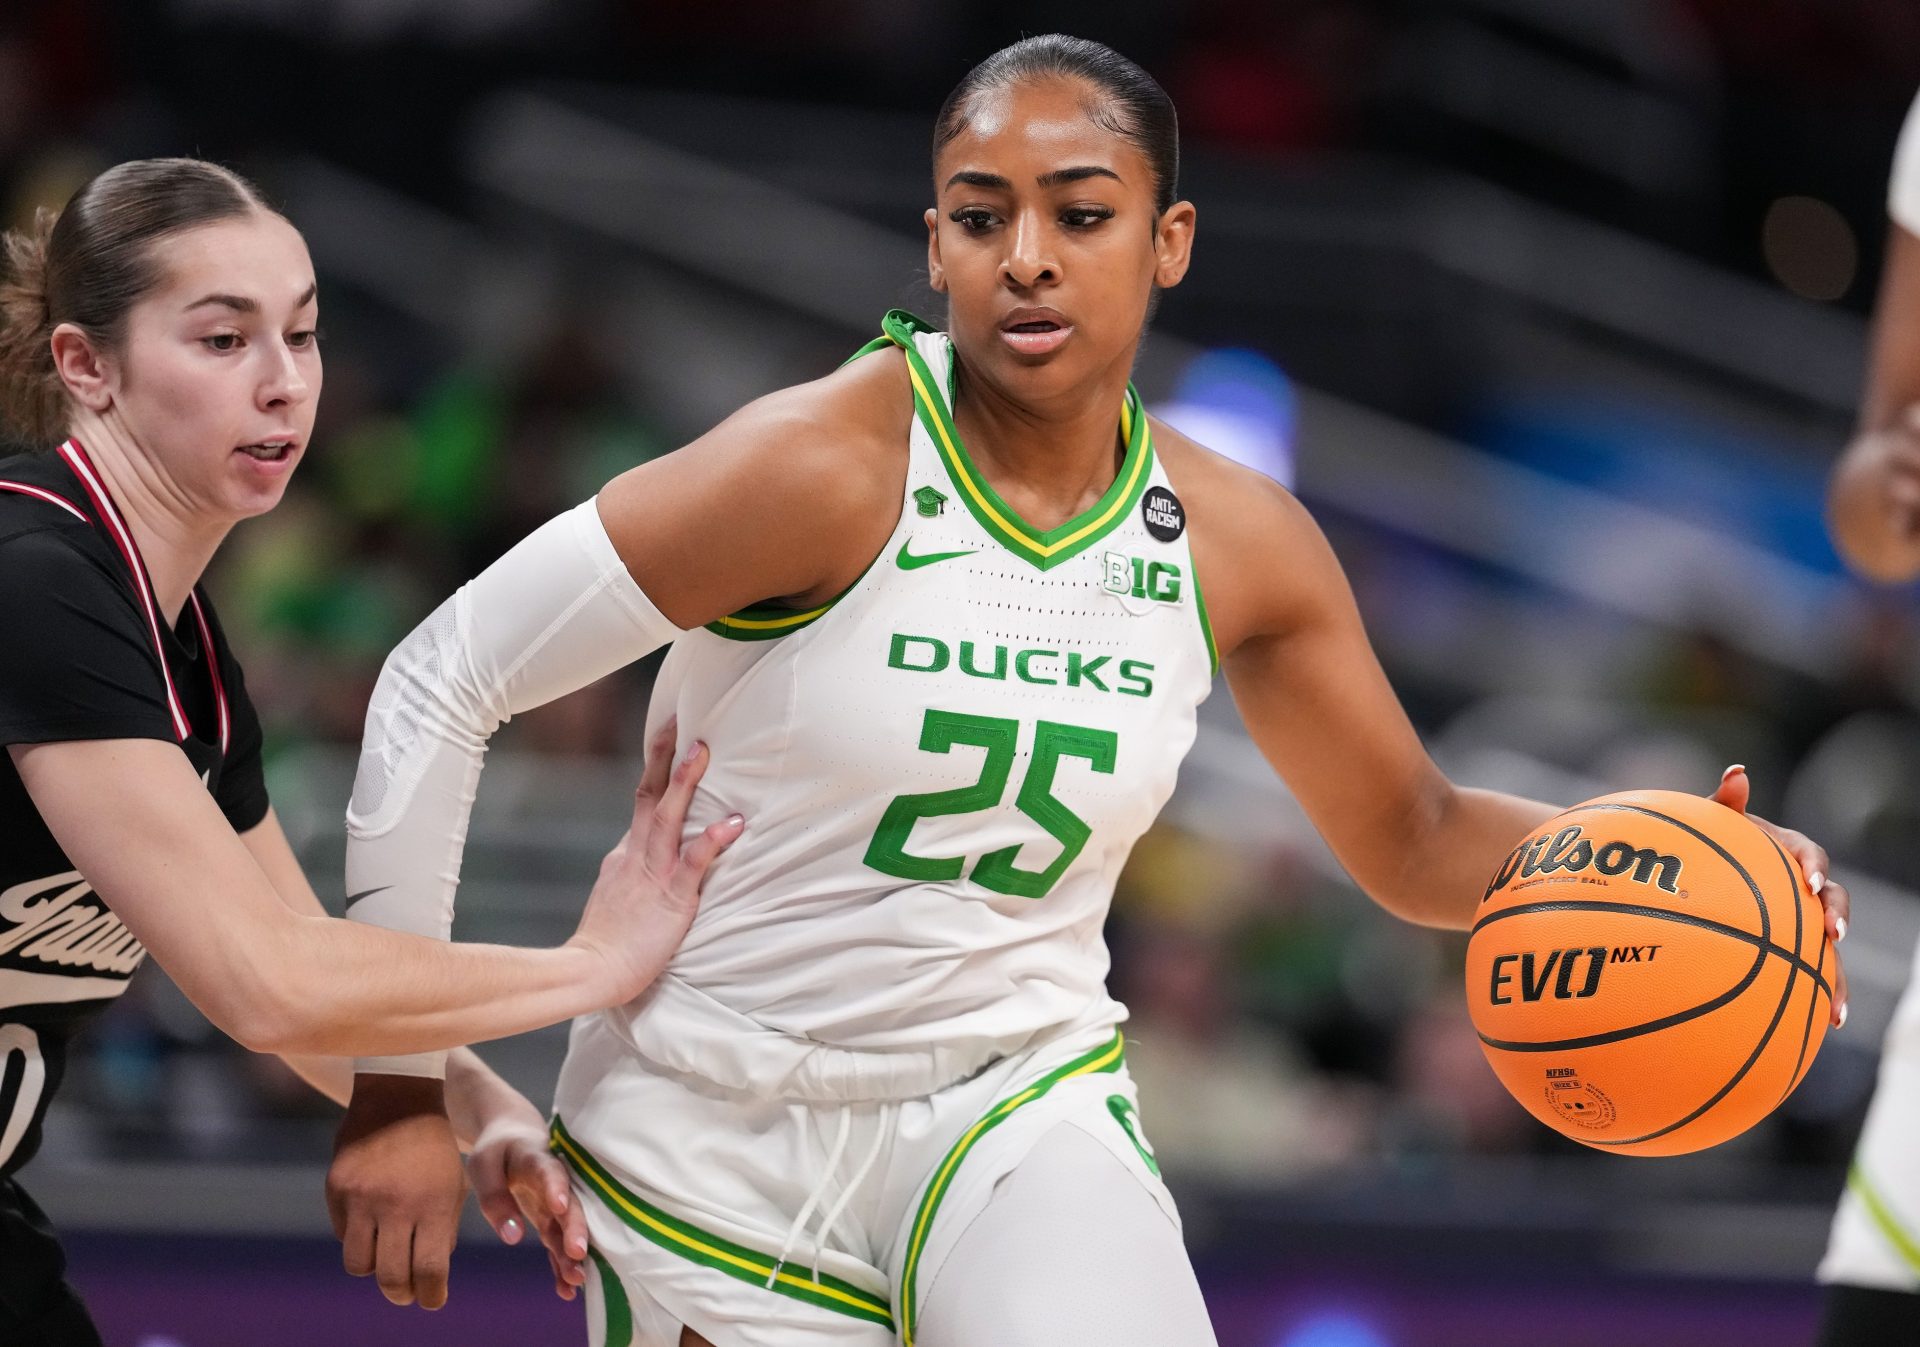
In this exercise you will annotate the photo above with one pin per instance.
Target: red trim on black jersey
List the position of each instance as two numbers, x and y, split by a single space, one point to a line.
96 489
61 501
213 669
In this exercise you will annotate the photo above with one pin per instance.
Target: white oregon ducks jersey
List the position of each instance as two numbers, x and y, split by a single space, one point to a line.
944 769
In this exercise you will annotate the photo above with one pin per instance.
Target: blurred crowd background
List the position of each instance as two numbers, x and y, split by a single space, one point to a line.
1553 314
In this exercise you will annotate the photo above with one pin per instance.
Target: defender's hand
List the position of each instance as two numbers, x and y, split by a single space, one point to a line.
649 885
1733 792
522 1185
396 1187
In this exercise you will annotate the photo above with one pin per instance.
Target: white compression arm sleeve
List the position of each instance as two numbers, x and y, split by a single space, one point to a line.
1903 186
553 615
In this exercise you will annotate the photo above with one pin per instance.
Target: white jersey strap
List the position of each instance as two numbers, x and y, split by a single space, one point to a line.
557 612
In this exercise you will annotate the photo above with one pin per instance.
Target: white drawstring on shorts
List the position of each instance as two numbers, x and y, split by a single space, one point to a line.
883 1126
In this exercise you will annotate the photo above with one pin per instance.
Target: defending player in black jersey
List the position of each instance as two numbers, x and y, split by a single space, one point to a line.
158 339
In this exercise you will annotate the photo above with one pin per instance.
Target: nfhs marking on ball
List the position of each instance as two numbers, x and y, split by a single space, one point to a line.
1532 987
1569 852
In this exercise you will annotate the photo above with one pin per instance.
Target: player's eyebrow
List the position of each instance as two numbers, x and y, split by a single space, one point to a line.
974 178
1059 176
1080 173
238 303
242 304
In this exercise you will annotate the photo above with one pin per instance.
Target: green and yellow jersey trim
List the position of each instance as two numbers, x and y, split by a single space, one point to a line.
709 1250
1107 1057
765 621
1045 549
1206 623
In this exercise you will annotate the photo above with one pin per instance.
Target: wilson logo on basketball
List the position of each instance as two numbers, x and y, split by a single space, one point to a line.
1569 851
1536 972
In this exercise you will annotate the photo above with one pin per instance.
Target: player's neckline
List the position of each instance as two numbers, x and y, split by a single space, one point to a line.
1044 548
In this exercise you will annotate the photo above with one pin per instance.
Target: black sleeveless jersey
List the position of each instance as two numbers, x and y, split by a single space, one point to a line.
85 653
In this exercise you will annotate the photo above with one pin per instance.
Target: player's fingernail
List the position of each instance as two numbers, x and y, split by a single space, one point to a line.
736 820
510 1230
1839 929
1737 767
1816 882
1843 1015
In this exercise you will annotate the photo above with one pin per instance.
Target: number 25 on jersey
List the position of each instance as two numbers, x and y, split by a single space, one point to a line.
996 870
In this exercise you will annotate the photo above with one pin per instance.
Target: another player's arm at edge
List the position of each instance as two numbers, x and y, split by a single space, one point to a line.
1318 705
1873 501
136 821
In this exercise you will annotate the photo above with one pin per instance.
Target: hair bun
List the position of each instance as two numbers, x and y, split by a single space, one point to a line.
30 401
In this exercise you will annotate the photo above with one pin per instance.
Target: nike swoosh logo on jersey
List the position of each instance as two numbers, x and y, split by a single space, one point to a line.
353 898
909 562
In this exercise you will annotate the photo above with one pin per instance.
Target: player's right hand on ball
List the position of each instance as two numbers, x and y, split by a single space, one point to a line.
649 885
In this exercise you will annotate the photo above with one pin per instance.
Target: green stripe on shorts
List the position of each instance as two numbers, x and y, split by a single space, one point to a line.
614 1296
1888 1224
713 1251
1104 1058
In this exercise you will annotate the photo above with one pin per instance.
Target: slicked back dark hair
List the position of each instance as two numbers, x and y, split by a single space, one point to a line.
1132 106
89 265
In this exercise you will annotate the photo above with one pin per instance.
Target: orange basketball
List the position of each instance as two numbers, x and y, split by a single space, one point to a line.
1649 973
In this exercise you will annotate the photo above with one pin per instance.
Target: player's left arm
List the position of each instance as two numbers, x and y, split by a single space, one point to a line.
396 1185
1317 703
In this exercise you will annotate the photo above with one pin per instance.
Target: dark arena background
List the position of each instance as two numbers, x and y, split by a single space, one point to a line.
1554 314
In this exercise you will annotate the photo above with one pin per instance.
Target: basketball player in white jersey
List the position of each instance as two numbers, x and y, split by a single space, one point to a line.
1872 1266
941 617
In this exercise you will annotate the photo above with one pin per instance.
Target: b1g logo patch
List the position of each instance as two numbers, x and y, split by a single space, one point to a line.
1160 508
1138 578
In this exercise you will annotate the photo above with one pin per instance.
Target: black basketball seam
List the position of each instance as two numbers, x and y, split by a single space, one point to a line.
1723 1092
1634 1031
1779 1012
1663 914
1813 1004
1759 898
1764 943
1759 1048
1799 939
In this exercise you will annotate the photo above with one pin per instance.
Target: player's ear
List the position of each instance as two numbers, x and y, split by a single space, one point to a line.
83 368
936 274
1173 244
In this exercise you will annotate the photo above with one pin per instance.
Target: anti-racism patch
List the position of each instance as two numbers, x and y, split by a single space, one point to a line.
1161 510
